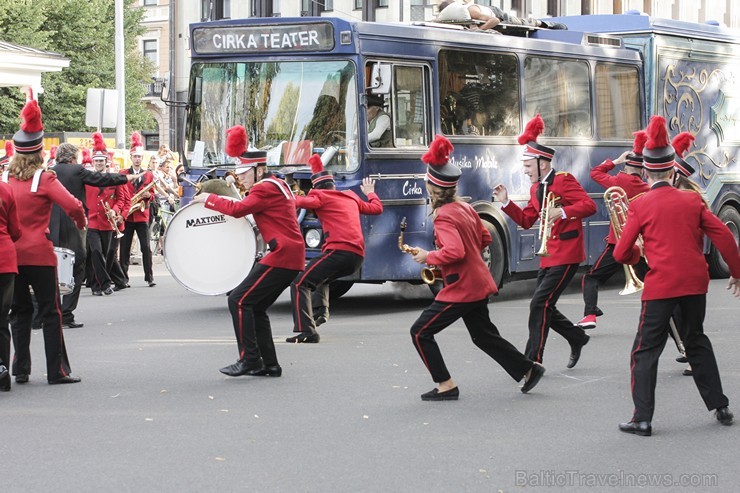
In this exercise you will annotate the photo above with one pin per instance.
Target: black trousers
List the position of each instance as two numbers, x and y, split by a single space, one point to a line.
248 304
7 281
327 267
142 231
115 272
650 340
69 301
43 280
439 315
543 314
99 244
604 268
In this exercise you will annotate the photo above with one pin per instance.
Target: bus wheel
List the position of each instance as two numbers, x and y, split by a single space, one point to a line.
494 255
337 289
717 266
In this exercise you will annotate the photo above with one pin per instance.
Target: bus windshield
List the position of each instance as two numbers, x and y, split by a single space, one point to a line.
290 109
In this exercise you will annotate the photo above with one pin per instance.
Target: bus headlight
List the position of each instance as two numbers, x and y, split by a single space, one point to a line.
313 238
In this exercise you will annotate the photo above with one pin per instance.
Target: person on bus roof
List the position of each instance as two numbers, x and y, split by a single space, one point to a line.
567 205
491 16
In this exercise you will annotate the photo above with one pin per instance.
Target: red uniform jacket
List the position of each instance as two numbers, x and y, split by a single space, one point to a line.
35 247
10 230
339 213
272 205
135 186
631 184
115 197
460 237
565 244
673 223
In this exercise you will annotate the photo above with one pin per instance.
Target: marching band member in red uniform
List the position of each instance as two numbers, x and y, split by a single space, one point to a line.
35 191
100 232
8 154
272 205
630 180
460 237
10 232
138 221
666 241
344 246
565 243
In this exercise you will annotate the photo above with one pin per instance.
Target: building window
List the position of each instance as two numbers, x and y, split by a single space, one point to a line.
149 49
358 4
149 3
382 3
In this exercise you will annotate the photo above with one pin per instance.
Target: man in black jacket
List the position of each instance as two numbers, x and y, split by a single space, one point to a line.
64 233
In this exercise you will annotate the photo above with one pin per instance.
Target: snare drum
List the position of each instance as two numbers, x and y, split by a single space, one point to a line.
65 269
209 252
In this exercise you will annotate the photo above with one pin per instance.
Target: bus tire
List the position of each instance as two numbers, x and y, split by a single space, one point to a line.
337 289
717 266
494 255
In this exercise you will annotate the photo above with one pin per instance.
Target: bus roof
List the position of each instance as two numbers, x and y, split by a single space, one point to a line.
644 24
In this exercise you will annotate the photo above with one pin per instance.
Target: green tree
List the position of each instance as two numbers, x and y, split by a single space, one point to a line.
84 32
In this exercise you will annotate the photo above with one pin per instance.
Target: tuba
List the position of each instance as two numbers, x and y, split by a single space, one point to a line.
137 201
429 274
617 203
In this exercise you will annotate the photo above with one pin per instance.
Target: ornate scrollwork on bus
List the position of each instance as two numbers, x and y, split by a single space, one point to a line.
694 101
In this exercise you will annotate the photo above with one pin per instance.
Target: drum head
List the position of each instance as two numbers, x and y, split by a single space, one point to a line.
209 252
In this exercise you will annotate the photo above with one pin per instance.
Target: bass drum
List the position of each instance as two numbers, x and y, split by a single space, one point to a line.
209 252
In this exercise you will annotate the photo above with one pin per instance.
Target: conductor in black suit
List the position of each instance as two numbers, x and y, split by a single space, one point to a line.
63 231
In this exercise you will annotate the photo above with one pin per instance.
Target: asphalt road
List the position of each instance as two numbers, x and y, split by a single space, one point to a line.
153 414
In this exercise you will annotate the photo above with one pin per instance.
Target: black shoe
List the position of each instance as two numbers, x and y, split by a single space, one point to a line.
724 415
97 293
108 291
321 319
72 325
575 352
268 371
641 428
242 367
66 379
4 379
687 372
535 374
682 358
304 338
436 395
23 378
119 287
152 284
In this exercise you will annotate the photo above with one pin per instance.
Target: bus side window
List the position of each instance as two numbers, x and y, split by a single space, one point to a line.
559 90
409 109
479 93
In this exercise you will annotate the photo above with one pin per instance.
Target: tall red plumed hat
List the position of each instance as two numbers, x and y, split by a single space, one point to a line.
137 145
99 150
53 152
86 156
8 153
532 149
320 176
658 154
440 171
30 138
634 158
681 144
236 146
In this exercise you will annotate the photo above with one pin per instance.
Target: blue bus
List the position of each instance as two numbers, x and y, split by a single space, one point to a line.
301 86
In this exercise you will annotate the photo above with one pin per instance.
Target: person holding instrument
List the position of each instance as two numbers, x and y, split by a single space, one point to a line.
460 237
565 205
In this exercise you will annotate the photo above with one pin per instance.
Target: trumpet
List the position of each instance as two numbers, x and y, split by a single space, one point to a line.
545 227
137 201
617 203
430 274
113 218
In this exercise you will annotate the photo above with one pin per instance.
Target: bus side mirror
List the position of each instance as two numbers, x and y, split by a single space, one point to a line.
197 91
380 79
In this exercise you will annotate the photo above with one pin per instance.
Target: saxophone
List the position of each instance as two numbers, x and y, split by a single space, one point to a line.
137 201
430 274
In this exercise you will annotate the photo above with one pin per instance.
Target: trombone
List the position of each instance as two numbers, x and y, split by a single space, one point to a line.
617 203
429 274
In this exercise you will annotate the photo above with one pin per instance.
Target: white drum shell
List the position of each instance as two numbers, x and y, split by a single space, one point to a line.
208 252
65 269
